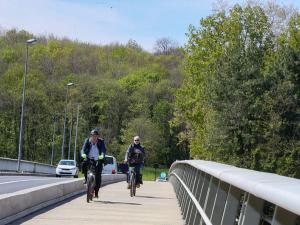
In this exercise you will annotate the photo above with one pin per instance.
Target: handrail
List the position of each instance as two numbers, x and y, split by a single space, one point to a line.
202 213
221 191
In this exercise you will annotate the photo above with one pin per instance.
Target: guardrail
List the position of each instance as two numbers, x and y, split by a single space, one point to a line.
217 194
7 164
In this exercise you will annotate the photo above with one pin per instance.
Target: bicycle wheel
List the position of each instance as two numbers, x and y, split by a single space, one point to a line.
132 184
134 187
88 186
90 189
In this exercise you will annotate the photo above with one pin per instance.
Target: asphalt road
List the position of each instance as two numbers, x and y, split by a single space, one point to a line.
10 184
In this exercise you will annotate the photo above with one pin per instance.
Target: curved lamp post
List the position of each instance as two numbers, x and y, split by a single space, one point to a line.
28 42
65 121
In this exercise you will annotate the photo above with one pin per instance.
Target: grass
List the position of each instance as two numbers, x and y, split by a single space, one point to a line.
149 173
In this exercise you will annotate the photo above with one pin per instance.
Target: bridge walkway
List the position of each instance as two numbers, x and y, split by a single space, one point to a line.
154 204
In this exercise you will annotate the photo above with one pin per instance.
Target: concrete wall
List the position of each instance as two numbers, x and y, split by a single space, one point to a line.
7 164
19 204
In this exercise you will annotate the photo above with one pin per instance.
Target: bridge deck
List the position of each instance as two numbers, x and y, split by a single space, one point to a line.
155 204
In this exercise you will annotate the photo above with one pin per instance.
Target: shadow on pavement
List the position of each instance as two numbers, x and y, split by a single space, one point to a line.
143 196
122 203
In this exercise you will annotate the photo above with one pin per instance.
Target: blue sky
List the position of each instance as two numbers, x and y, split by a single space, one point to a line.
107 21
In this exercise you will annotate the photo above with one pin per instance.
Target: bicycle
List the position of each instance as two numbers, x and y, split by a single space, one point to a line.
91 180
132 182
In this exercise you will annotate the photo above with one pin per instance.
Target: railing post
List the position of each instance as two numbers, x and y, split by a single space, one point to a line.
191 204
211 196
204 190
283 217
219 203
251 215
231 206
186 199
200 182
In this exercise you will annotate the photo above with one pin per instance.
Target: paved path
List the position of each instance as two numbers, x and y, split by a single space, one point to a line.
154 204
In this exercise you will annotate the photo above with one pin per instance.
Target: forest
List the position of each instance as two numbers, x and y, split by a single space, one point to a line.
231 94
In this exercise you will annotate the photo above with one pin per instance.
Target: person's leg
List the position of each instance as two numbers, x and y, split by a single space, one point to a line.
141 173
137 170
128 175
128 178
84 169
98 178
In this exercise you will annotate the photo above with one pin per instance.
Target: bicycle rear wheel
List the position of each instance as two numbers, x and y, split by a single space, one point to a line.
132 185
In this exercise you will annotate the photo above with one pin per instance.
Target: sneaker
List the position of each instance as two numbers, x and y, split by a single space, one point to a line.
128 186
138 185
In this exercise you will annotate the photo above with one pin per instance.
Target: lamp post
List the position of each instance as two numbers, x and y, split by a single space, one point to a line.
53 139
76 135
65 121
28 42
70 135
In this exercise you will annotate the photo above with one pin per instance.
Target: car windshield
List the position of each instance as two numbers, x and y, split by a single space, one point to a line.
67 162
109 160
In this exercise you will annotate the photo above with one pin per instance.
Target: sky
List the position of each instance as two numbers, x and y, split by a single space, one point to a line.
109 21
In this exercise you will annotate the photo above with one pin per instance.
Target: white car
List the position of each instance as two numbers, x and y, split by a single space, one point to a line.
67 167
111 165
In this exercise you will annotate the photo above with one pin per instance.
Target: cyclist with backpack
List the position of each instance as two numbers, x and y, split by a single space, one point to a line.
135 156
93 148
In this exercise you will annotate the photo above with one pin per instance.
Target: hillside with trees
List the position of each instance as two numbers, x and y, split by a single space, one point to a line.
121 89
231 94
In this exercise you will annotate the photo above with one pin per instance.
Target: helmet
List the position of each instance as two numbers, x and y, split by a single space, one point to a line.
95 132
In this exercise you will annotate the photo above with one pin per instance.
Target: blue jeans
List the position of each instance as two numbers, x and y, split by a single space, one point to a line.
137 168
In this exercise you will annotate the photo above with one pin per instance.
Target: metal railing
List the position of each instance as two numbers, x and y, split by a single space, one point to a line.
7 164
211 193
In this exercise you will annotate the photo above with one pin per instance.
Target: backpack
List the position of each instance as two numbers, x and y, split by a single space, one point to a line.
136 156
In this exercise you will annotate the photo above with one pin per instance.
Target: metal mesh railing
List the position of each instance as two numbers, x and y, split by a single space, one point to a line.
210 193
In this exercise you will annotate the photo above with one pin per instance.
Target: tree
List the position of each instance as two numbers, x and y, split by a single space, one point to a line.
164 46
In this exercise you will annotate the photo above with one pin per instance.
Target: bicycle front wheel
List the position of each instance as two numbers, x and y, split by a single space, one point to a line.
89 190
132 185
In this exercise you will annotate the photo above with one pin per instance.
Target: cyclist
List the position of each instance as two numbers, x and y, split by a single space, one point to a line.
93 148
135 156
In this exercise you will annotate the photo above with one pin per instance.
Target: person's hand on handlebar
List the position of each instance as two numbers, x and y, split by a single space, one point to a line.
100 157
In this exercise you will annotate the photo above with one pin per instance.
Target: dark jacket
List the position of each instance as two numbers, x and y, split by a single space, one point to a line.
131 153
87 147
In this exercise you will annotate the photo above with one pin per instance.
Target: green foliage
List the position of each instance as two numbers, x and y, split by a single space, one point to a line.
239 102
121 90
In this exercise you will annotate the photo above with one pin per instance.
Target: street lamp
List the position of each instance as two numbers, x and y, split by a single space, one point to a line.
53 139
28 42
65 121
76 135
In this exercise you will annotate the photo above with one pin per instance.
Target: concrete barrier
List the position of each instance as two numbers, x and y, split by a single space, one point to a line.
7 164
21 203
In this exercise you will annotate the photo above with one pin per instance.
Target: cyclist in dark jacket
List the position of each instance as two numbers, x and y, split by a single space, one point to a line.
135 156
93 148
